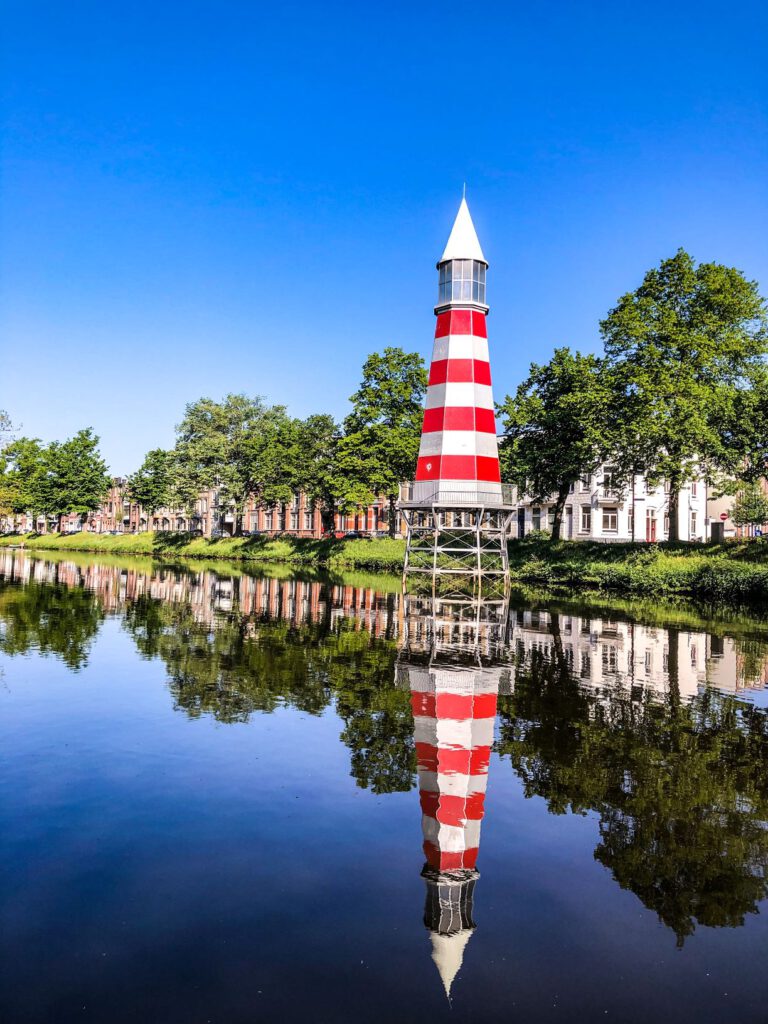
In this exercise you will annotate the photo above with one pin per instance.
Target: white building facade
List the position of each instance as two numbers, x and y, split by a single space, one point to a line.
599 511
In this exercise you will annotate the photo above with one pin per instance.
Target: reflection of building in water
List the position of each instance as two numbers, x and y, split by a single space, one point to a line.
607 652
210 594
447 662
600 651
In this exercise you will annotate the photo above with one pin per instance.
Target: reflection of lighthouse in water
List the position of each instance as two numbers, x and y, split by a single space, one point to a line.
445 664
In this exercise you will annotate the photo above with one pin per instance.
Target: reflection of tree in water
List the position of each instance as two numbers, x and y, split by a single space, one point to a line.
681 789
242 664
50 618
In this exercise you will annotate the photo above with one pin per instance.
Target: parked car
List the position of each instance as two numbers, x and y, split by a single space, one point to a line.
356 535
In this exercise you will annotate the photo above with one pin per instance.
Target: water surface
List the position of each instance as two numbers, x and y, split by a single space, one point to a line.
228 797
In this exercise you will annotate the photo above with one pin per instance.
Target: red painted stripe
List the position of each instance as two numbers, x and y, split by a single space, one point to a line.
487 468
479 327
457 706
452 810
451 759
428 467
449 861
433 420
454 321
485 421
460 371
482 372
457 467
459 417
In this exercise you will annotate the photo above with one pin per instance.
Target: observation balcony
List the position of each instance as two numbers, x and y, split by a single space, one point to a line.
462 494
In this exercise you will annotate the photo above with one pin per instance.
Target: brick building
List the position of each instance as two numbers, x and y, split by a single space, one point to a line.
210 517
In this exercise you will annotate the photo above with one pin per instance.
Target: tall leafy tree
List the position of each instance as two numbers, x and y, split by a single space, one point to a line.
686 347
558 426
26 483
751 506
318 469
76 474
382 433
151 486
242 446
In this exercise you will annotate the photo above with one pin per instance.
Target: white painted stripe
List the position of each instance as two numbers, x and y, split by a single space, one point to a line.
483 396
451 838
436 395
458 442
460 346
452 785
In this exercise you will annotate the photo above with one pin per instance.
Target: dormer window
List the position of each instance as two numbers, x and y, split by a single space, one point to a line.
462 281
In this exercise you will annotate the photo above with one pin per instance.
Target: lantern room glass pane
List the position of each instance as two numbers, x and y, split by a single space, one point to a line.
462 281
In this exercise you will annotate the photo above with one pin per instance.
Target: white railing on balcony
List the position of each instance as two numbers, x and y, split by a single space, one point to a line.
423 493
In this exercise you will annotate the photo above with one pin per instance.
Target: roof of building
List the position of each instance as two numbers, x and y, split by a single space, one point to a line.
463 243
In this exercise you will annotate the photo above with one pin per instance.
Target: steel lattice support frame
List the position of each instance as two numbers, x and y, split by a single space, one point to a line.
459 548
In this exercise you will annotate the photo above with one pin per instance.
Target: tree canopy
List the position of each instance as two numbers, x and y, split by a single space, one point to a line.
557 427
686 349
381 439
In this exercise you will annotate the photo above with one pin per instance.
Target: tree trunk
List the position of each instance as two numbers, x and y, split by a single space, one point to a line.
674 502
392 515
328 518
557 523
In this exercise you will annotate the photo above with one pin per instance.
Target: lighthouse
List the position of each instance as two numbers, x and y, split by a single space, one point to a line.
453 662
457 510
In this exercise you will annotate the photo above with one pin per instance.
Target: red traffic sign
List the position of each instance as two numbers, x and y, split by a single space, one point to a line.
723 516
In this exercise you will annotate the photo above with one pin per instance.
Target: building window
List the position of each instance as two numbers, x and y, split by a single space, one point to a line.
269 520
609 481
693 525
666 525
586 519
610 520
631 520
585 482
694 489
536 518
254 520
294 520
307 520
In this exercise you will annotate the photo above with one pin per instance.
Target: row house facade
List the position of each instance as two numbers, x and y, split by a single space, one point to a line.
596 509
209 517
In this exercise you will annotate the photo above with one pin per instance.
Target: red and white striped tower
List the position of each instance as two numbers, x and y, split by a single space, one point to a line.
458 482
454 708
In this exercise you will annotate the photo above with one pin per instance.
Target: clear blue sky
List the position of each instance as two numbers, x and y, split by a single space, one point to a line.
238 196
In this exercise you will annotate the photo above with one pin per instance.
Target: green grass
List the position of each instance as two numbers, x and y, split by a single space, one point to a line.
736 573
383 555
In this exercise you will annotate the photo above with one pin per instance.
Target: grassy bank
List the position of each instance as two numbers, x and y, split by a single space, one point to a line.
736 573
382 555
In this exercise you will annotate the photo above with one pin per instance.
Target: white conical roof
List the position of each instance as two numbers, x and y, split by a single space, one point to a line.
448 954
463 243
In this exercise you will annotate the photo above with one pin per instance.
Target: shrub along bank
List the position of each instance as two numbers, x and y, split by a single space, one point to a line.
735 572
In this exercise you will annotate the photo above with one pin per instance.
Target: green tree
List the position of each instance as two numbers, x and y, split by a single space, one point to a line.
25 479
318 468
151 486
247 449
76 475
557 427
685 348
679 787
382 433
751 506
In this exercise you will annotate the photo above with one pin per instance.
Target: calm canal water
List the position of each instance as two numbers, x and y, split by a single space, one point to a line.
226 797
